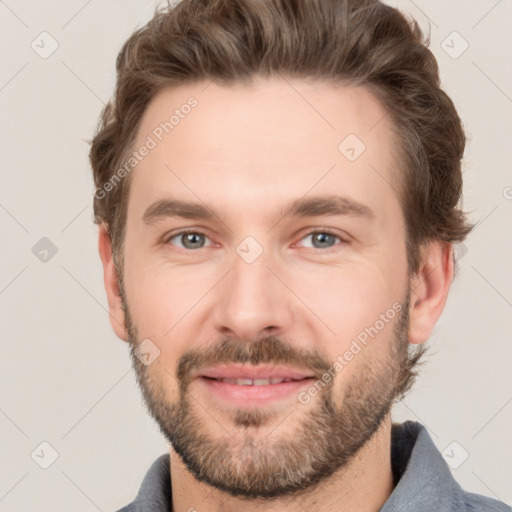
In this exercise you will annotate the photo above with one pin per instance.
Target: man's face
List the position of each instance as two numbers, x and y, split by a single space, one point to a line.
255 285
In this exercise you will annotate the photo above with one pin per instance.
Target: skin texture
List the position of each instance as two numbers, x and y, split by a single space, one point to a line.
246 153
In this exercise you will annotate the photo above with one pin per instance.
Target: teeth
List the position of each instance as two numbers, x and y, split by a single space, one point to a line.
243 382
255 382
261 382
228 381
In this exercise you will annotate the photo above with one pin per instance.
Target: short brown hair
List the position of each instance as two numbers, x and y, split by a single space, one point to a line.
353 42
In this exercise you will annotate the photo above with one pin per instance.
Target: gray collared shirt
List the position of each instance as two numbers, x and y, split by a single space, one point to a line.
423 481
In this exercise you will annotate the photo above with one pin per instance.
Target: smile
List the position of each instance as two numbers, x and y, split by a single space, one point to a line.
255 382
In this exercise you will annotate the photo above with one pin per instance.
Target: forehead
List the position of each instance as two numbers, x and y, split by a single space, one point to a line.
264 144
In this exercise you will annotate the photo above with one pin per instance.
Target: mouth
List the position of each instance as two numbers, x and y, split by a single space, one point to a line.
244 386
255 382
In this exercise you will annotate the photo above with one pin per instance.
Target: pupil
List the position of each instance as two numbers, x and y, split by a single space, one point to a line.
192 239
322 238
195 239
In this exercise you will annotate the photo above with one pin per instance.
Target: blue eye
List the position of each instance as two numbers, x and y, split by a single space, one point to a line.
193 240
190 239
322 239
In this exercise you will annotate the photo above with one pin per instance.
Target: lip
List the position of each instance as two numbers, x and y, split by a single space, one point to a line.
240 395
253 372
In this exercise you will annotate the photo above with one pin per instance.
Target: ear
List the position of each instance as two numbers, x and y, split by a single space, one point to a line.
110 278
429 289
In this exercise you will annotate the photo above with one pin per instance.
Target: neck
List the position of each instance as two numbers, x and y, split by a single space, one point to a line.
364 485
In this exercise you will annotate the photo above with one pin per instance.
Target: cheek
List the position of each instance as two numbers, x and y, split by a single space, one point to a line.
347 298
362 310
361 305
165 299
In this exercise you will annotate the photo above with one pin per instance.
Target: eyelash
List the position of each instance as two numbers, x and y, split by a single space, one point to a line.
168 238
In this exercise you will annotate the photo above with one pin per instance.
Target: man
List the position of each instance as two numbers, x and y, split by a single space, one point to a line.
278 190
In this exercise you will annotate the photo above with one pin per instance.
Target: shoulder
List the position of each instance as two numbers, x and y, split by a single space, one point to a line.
424 479
127 508
155 492
479 503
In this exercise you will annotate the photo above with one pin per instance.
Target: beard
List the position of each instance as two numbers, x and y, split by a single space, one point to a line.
325 438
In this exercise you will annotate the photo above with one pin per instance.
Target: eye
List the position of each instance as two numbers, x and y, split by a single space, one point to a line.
196 239
323 239
189 239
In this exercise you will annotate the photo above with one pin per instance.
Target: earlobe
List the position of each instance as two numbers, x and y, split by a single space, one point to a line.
429 289
110 278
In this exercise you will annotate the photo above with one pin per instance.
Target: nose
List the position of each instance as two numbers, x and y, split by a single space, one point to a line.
252 301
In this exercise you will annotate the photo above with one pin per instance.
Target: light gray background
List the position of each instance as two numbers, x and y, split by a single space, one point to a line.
66 379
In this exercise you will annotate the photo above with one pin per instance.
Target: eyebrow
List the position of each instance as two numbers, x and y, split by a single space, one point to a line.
304 207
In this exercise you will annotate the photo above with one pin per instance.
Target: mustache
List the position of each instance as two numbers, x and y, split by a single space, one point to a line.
268 350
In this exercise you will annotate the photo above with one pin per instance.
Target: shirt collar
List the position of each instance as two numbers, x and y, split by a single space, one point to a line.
424 479
155 493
